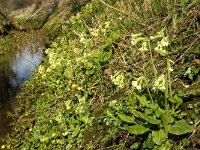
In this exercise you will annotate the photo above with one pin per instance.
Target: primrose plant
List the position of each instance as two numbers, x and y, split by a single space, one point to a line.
159 115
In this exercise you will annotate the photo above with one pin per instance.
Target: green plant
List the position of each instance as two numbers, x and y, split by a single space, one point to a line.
161 115
102 84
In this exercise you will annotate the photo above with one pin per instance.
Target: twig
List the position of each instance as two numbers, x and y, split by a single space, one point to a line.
185 52
102 1
196 128
110 147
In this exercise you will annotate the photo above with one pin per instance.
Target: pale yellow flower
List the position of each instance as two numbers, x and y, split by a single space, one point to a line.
143 47
165 41
118 79
73 85
80 88
53 134
43 139
3 147
159 49
138 83
8 146
159 84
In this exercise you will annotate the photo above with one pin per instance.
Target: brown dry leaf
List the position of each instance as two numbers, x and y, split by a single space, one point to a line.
197 61
108 72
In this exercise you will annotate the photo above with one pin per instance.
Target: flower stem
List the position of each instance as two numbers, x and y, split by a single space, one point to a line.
152 61
169 77
145 74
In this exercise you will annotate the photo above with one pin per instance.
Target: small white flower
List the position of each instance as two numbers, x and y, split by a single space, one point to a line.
107 24
112 103
186 86
143 47
136 38
41 69
152 37
159 49
94 32
170 69
136 85
133 42
165 41
189 71
136 35
82 38
49 69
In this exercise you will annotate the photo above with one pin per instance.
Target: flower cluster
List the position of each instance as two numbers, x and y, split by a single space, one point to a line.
135 38
143 47
160 83
74 18
102 29
118 79
5 147
95 31
83 38
160 47
138 83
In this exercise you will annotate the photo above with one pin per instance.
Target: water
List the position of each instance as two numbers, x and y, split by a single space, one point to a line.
15 68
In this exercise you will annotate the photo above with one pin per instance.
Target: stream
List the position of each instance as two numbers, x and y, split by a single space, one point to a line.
15 68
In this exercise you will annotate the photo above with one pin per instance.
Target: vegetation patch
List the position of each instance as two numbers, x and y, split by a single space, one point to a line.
121 75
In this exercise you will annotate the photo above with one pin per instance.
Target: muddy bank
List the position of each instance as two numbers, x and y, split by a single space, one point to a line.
35 14
5 24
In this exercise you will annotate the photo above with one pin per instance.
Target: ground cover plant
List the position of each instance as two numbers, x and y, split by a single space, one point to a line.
123 74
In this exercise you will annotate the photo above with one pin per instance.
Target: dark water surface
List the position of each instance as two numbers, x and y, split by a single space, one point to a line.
15 68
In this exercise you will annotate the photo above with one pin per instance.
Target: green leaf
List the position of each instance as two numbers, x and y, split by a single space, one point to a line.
185 142
68 146
154 106
149 142
159 112
195 70
135 129
76 131
106 56
148 111
176 99
165 122
69 72
164 146
126 118
60 141
149 119
142 99
90 71
89 65
180 127
135 145
191 76
159 137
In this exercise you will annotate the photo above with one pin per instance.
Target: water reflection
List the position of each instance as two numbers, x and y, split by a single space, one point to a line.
24 63
14 70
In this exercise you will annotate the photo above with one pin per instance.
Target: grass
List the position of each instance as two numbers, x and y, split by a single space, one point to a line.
97 89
